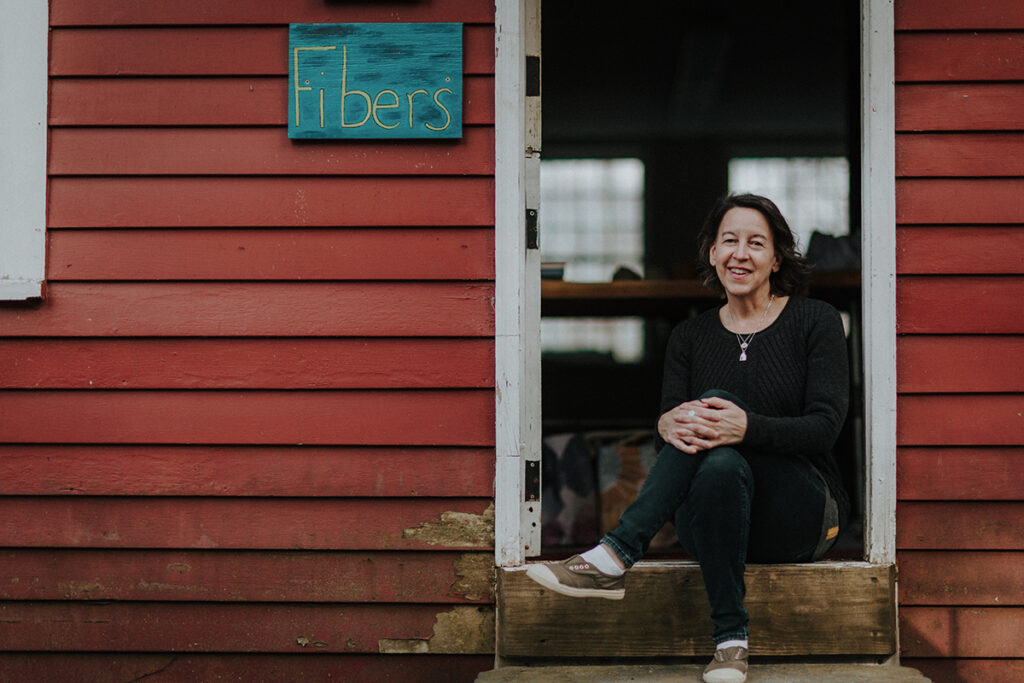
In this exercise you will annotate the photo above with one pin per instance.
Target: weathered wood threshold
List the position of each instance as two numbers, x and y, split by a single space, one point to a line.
796 610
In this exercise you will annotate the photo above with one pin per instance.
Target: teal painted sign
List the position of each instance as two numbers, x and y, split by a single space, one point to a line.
375 80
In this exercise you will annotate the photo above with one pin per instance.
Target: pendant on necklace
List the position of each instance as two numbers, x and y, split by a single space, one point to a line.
743 350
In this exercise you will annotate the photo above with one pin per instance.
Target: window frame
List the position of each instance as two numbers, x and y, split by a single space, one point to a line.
24 44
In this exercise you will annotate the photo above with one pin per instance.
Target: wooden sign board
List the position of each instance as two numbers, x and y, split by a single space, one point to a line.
375 80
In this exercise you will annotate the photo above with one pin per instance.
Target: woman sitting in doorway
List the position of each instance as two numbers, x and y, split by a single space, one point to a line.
754 395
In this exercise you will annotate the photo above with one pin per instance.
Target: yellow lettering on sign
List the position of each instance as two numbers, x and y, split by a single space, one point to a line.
345 93
377 106
411 95
299 88
447 114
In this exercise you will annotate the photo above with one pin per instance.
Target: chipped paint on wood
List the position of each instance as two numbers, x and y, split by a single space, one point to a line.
474 574
461 630
456 530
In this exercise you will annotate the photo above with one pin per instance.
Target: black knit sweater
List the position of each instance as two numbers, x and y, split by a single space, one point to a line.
795 381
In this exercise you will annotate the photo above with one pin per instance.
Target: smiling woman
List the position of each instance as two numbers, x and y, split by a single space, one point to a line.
744 469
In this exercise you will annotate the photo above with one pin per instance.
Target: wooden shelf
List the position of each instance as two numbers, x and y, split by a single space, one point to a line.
671 298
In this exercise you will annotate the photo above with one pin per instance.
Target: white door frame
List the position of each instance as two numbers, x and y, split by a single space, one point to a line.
516 306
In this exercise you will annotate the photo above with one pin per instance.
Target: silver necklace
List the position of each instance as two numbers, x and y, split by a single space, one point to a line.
744 340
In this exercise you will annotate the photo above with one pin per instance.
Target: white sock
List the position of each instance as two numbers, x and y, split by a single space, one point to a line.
601 558
732 643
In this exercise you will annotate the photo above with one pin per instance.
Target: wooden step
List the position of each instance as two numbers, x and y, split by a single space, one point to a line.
817 672
824 608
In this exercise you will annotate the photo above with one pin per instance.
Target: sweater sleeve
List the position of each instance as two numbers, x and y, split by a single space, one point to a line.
826 397
675 381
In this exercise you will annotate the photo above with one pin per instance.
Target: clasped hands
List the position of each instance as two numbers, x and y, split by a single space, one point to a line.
703 424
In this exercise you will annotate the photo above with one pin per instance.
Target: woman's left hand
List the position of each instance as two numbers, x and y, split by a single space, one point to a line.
728 420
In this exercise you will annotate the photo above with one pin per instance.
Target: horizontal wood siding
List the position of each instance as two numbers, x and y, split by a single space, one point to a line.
960 263
205 101
42 667
249 433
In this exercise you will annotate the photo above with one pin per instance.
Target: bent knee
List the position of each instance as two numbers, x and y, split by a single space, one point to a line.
725 462
721 393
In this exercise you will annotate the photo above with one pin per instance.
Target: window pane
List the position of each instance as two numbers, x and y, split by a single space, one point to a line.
591 219
813 193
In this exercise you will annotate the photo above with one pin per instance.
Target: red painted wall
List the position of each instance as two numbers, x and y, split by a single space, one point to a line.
960 262
249 433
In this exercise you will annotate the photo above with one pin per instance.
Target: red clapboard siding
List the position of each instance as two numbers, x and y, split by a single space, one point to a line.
107 667
114 12
256 309
959 56
205 101
245 576
269 202
959 364
956 154
293 254
259 151
959 250
973 670
246 363
964 419
960 201
960 473
43 667
964 304
961 631
245 523
961 578
960 106
955 14
359 417
244 471
306 471
168 626
960 526
205 51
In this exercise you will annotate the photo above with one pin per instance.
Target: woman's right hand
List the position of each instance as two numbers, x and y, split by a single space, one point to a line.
689 427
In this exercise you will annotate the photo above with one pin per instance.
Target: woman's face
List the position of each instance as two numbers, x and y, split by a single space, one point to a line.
743 254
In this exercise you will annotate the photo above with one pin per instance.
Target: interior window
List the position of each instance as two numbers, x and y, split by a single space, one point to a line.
813 193
592 231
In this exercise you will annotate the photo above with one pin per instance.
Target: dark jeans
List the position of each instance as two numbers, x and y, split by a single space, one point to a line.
729 505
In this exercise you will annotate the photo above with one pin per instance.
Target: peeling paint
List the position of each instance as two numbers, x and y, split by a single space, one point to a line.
474 574
74 590
412 646
156 586
461 630
456 530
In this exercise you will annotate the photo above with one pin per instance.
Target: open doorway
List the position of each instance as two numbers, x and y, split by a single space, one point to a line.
698 99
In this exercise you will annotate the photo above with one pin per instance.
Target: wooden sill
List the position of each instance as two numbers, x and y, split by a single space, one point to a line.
824 608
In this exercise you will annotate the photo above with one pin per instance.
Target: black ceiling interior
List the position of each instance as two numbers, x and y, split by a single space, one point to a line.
687 70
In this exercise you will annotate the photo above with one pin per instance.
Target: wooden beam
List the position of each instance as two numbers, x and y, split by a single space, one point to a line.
844 608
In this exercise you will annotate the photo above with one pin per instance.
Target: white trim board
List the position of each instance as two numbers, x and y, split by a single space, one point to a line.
878 211
24 38
878 275
509 277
